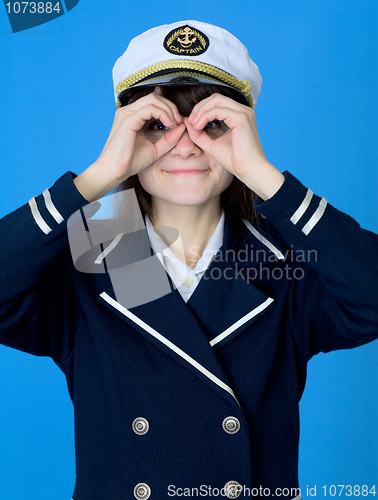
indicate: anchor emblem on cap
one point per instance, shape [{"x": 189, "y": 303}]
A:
[{"x": 187, "y": 41}]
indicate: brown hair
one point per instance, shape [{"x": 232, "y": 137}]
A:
[{"x": 237, "y": 200}]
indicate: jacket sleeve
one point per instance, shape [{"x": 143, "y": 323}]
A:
[
  {"x": 337, "y": 305},
  {"x": 38, "y": 308}
]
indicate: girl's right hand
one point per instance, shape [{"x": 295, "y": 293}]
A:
[{"x": 127, "y": 150}]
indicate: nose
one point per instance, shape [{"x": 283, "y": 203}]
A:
[{"x": 186, "y": 147}]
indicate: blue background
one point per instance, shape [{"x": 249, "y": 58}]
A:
[{"x": 317, "y": 117}]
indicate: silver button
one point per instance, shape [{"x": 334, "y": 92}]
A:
[
  {"x": 142, "y": 491},
  {"x": 231, "y": 425},
  {"x": 233, "y": 489},
  {"x": 140, "y": 426}
]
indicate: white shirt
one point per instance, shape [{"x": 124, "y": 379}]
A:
[{"x": 185, "y": 279}]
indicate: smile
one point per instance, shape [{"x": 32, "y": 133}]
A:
[{"x": 185, "y": 172}]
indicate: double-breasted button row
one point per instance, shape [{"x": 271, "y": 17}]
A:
[
  {"x": 232, "y": 489},
  {"x": 140, "y": 426},
  {"x": 231, "y": 425},
  {"x": 142, "y": 491}
]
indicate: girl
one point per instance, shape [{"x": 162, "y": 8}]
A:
[{"x": 185, "y": 356}]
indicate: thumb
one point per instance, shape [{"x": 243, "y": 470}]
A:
[
  {"x": 200, "y": 138},
  {"x": 169, "y": 140}
]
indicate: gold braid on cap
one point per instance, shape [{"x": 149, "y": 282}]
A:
[{"x": 210, "y": 71}]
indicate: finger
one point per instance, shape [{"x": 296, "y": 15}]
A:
[
  {"x": 136, "y": 110},
  {"x": 133, "y": 119},
  {"x": 214, "y": 105},
  {"x": 231, "y": 118},
  {"x": 215, "y": 100},
  {"x": 159, "y": 101},
  {"x": 137, "y": 120},
  {"x": 173, "y": 106},
  {"x": 196, "y": 109},
  {"x": 169, "y": 140},
  {"x": 134, "y": 123},
  {"x": 200, "y": 138}
]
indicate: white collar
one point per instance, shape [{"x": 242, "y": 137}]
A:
[{"x": 212, "y": 247}]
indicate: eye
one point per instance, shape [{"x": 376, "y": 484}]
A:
[
  {"x": 216, "y": 128},
  {"x": 212, "y": 125},
  {"x": 154, "y": 129},
  {"x": 157, "y": 125}
]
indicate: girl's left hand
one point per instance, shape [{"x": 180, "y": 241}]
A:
[{"x": 238, "y": 150}]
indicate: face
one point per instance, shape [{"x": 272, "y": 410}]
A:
[{"x": 186, "y": 175}]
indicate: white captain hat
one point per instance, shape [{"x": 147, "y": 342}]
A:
[{"x": 186, "y": 53}]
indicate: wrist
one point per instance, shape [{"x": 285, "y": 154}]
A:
[
  {"x": 264, "y": 179},
  {"x": 94, "y": 182}
]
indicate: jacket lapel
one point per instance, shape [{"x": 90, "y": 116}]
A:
[
  {"x": 168, "y": 323},
  {"x": 222, "y": 306},
  {"x": 226, "y": 302},
  {"x": 142, "y": 295}
]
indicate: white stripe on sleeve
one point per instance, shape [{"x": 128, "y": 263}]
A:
[
  {"x": 302, "y": 207},
  {"x": 315, "y": 218},
  {"x": 51, "y": 207},
  {"x": 38, "y": 217}
]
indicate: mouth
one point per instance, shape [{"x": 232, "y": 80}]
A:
[{"x": 186, "y": 171}]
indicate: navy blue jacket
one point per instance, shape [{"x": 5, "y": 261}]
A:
[{"x": 302, "y": 282}]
